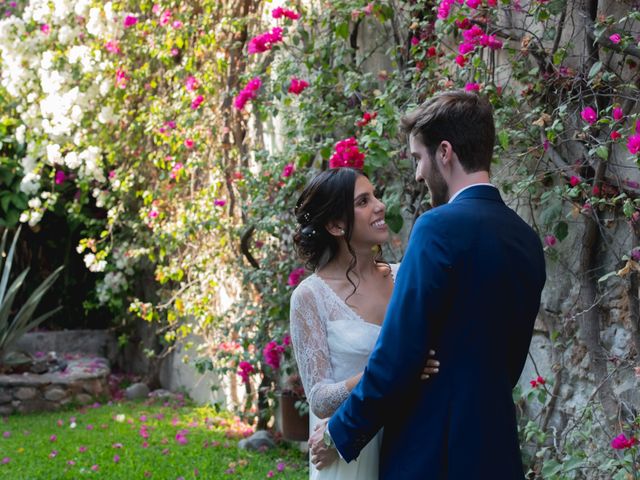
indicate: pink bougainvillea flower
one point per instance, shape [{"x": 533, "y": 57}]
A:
[
  {"x": 196, "y": 102},
  {"x": 95, "y": 468},
  {"x": 270, "y": 474},
  {"x": 45, "y": 28},
  {"x": 130, "y": 20},
  {"x": 595, "y": 191},
  {"x": 297, "y": 85},
  {"x": 175, "y": 170},
  {"x": 177, "y": 24},
  {"x": 165, "y": 17},
  {"x": 244, "y": 370},
  {"x": 288, "y": 170},
  {"x": 82, "y": 449},
  {"x": 116, "y": 458},
  {"x": 181, "y": 438},
  {"x": 589, "y": 115},
  {"x": 367, "y": 117},
  {"x": 283, "y": 12},
  {"x": 431, "y": 52},
  {"x": 272, "y": 353},
  {"x": 174, "y": 52},
  {"x": 550, "y": 240},
  {"x": 295, "y": 276},
  {"x": 574, "y": 180},
  {"x": 444, "y": 8},
  {"x": 347, "y": 154},
  {"x": 463, "y": 24},
  {"x": 633, "y": 144},
  {"x": 461, "y": 60},
  {"x": 368, "y": 10},
  {"x": 219, "y": 202},
  {"x": 191, "y": 83},
  {"x": 465, "y": 47},
  {"x": 53, "y": 438},
  {"x": 121, "y": 78},
  {"x": 615, "y": 135},
  {"x": 615, "y": 38},
  {"x": 249, "y": 92},
  {"x": 537, "y": 382},
  {"x": 5, "y": 460},
  {"x": 153, "y": 214},
  {"x": 491, "y": 41},
  {"x": 189, "y": 143},
  {"x": 474, "y": 4},
  {"x": 621, "y": 442},
  {"x": 635, "y": 256},
  {"x": 618, "y": 113},
  {"x": 415, "y": 41},
  {"x": 60, "y": 177},
  {"x": 265, "y": 41},
  {"x": 472, "y": 87},
  {"x": 112, "y": 47}
]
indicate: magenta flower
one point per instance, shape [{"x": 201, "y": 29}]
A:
[
  {"x": 280, "y": 466},
  {"x": 121, "y": 78},
  {"x": 95, "y": 468},
  {"x": 465, "y": 47},
  {"x": 181, "y": 438},
  {"x": 53, "y": 454},
  {"x": 60, "y": 177},
  {"x": 589, "y": 115},
  {"x": 297, "y": 85},
  {"x": 367, "y": 117},
  {"x": 6, "y": 434},
  {"x": 189, "y": 143},
  {"x": 177, "y": 25},
  {"x": 116, "y": 458},
  {"x": 415, "y": 41},
  {"x": 633, "y": 144},
  {"x": 130, "y": 20},
  {"x": 288, "y": 169},
  {"x": 283, "y": 12},
  {"x": 621, "y": 442},
  {"x": 615, "y": 135},
  {"x": 472, "y": 87},
  {"x": 618, "y": 113},
  {"x": 5, "y": 460},
  {"x": 219, "y": 202},
  {"x": 444, "y": 8},
  {"x": 197, "y": 102},
  {"x": 53, "y": 438},
  {"x": 112, "y": 46},
  {"x": 474, "y": 4},
  {"x": 249, "y": 92},
  {"x": 270, "y": 474},
  {"x": 347, "y": 154},
  {"x": 191, "y": 83},
  {"x": 165, "y": 17},
  {"x": 153, "y": 214},
  {"x": 272, "y": 353},
  {"x": 295, "y": 276},
  {"x": 461, "y": 60},
  {"x": 550, "y": 240},
  {"x": 45, "y": 28},
  {"x": 82, "y": 449},
  {"x": 574, "y": 180},
  {"x": 635, "y": 256},
  {"x": 615, "y": 38},
  {"x": 266, "y": 41}
]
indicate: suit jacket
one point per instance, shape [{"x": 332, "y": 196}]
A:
[{"x": 468, "y": 287}]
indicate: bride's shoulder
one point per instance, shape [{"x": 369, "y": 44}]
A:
[{"x": 305, "y": 288}]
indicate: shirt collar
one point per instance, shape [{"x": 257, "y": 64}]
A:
[{"x": 453, "y": 197}]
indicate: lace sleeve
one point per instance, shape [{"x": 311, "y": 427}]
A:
[{"x": 309, "y": 338}]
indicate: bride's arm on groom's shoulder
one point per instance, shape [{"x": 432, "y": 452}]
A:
[{"x": 309, "y": 339}]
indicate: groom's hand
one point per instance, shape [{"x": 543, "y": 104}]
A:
[{"x": 321, "y": 455}]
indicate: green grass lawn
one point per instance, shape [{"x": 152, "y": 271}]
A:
[{"x": 136, "y": 441}]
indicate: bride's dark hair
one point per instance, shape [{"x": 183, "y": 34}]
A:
[{"x": 327, "y": 197}]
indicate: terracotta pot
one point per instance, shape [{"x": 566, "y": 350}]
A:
[{"x": 294, "y": 426}]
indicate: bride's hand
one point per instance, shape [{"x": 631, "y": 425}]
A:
[
  {"x": 321, "y": 455},
  {"x": 431, "y": 367}
]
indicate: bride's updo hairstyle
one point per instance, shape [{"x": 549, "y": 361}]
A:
[{"x": 328, "y": 197}]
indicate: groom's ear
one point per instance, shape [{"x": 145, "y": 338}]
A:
[{"x": 446, "y": 153}]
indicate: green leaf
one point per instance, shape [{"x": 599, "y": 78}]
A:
[
  {"x": 603, "y": 152},
  {"x": 503, "y": 138},
  {"x": 595, "y": 69},
  {"x": 561, "y": 230},
  {"x": 342, "y": 30}
]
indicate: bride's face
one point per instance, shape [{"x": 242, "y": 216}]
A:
[{"x": 369, "y": 226}]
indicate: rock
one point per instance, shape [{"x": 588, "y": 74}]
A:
[
  {"x": 25, "y": 393},
  {"x": 161, "y": 393},
  {"x": 136, "y": 391},
  {"x": 5, "y": 396},
  {"x": 84, "y": 399},
  {"x": 37, "y": 405},
  {"x": 261, "y": 440},
  {"x": 54, "y": 394},
  {"x": 6, "y": 409}
]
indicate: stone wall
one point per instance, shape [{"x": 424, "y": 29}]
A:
[{"x": 83, "y": 381}]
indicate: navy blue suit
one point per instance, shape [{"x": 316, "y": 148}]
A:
[{"x": 468, "y": 287}]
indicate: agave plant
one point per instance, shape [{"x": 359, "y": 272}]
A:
[{"x": 11, "y": 329}]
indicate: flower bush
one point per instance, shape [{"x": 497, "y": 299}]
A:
[{"x": 179, "y": 136}]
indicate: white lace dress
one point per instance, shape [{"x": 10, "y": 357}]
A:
[{"x": 332, "y": 343}]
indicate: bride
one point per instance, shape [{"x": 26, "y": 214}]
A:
[{"x": 336, "y": 312}]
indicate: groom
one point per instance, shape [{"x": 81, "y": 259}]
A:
[{"x": 469, "y": 287}]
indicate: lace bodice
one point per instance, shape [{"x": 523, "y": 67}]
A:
[{"x": 331, "y": 343}]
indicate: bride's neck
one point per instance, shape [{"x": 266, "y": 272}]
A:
[{"x": 365, "y": 264}]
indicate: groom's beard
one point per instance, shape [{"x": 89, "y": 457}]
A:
[{"x": 438, "y": 187}]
